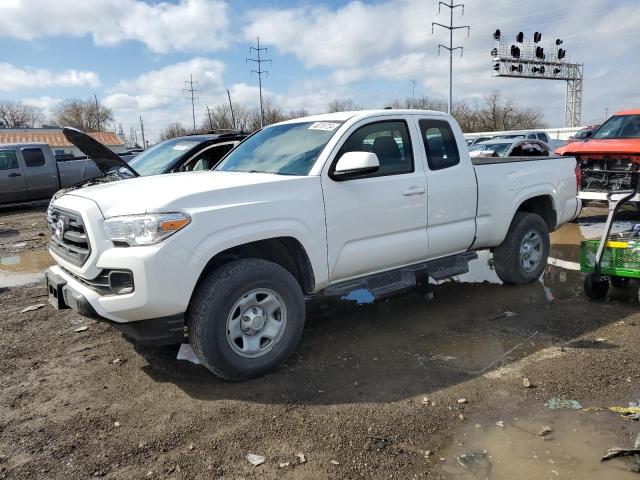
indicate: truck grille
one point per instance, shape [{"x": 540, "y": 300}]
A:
[{"x": 68, "y": 235}]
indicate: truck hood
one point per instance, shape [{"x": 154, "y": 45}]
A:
[
  {"x": 613, "y": 146},
  {"x": 104, "y": 158},
  {"x": 180, "y": 191}
]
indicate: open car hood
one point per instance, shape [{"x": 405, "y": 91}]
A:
[{"x": 104, "y": 158}]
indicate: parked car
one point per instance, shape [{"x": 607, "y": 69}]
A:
[
  {"x": 473, "y": 141},
  {"x": 534, "y": 135},
  {"x": 610, "y": 158},
  {"x": 311, "y": 207},
  {"x": 510, "y": 148},
  {"x": 31, "y": 171},
  {"x": 583, "y": 134}
]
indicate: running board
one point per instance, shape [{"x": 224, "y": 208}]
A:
[{"x": 385, "y": 283}]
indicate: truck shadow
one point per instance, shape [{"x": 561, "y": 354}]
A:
[{"x": 412, "y": 345}]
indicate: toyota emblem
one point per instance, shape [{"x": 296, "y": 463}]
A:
[{"x": 60, "y": 228}]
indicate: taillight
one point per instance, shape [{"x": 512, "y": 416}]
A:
[{"x": 578, "y": 173}]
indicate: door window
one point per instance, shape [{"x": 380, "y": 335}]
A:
[
  {"x": 8, "y": 160},
  {"x": 439, "y": 144},
  {"x": 209, "y": 158},
  {"x": 33, "y": 157},
  {"x": 389, "y": 141},
  {"x": 533, "y": 149}
]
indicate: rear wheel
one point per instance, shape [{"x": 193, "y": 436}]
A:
[
  {"x": 246, "y": 318},
  {"x": 522, "y": 256},
  {"x": 596, "y": 287}
]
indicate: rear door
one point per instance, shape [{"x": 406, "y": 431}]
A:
[
  {"x": 378, "y": 221},
  {"x": 12, "y": 183},
  {"x": 452, "y": 189},
  {"x": 41, "y": 174}
]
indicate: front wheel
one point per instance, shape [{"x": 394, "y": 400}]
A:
[
  {"x": 246, "y": 318},
  {"x": 522, "y": 256},
  {"x": 596, "y": 287}
]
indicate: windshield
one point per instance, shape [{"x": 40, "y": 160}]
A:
[
  {"x": 498, "y": 148},
  {"x": 619, "y": 126},
  {"x": 158, "y": 158},
  {"x": 287, "y": 149}
]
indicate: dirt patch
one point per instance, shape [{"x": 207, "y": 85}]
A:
[{"x": 369, "y": 390}]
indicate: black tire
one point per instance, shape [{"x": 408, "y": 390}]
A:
[
  {"x": 212, "y": 304},
  {"x": 596, "y": 287},
  {"x": 507, "y": 257}
]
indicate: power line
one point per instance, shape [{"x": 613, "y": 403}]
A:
[
  {"x": 258, "y": 62},
  {"x": 451, "y": 6},
  {"x": 193, "y": 99}
]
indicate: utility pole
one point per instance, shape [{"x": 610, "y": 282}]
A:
[
  {"x": 451, "y": 6},
  {"x": 209, "y": 116},
  {"x": 97, "y": 112},
  {"x": 144, "y": 144},
  {"x": 258, "y": 62},
  {"x": 606, "y": 113},
  {"x": 193, "y": 99},
  {"x": 233, "y": 118},
  {"x": 413, "y": 92}
]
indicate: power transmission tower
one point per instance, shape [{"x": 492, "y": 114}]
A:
[
  {"x": 193, "y": 99},
  {"x": 451, "y": 6},
  {"x": 413, "y": 92},
  {"x": 144, "y": 144},
  {"x": 258, "y": 62}
]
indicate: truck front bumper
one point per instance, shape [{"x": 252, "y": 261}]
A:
[{"x": 64, "y": 291}]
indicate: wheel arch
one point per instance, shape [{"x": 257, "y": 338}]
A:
[
  {"x": 285, "y": 251},
  {"x": 543, "y": 206}
]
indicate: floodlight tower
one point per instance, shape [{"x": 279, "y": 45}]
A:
[{"x": 526, "y": 58}]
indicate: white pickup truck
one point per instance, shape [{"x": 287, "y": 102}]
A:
[{"x": 322, "y": 205}]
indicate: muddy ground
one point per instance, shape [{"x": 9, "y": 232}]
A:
[{"x": 371, "y": 392}]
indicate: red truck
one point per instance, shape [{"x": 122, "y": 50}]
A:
[{"x": 610, "y": 157}]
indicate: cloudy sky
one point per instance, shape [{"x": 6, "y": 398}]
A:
[{"x": 136, "y": 54}]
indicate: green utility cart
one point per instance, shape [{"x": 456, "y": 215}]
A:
[{"x": 614, "y": 258}]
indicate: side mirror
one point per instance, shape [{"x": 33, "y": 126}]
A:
[{"x": 355, "y": 164}]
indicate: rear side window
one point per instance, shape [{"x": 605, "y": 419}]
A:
[
  {"x": 543, "y": 137},
  {"x": 8, "y": 160},
  {"x": 439, "y": 144},
  {"x": 33, "y": 157}
]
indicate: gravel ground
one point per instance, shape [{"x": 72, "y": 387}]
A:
[{"x": 368, "y": 392}]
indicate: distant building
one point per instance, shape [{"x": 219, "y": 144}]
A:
[{"x": 57, "y": 141}]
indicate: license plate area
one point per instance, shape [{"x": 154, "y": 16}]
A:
[{"x": 54, "y": 290}]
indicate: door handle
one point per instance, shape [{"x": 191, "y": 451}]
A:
[
  {"x": 414, "y": 191},
  {"x": 14, "y": 174}
]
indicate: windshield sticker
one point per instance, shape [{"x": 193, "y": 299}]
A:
[
  {"x": 181, "y": 147},
  {"x": 326, "y": 126}
]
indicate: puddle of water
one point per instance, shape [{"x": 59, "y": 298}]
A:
[
  {"x": 477, "y": 354},
  {"x": 23, "y": 268},
  {"x": 572, "y": 450}
]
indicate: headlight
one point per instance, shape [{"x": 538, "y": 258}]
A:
[{"x": 144, "y": 229}]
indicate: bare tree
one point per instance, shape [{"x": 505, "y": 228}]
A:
[
  {"x": 344, "y": 105},
  {"x": 502, "y": 114},
  {"x": 173, "y": 130},
  {"x": 17, "y": 115},
  {"x": 83, "y": 115}
]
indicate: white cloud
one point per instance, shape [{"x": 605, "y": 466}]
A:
[
  {"x": 163, "y": 27},
  {"x": 15, "y": 78},
  {"x": 159, "y": 97}
]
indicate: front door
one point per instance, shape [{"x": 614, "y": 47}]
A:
[
  {"x": 12, "y": 184},
  {"x": 378, "y": 221}
]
